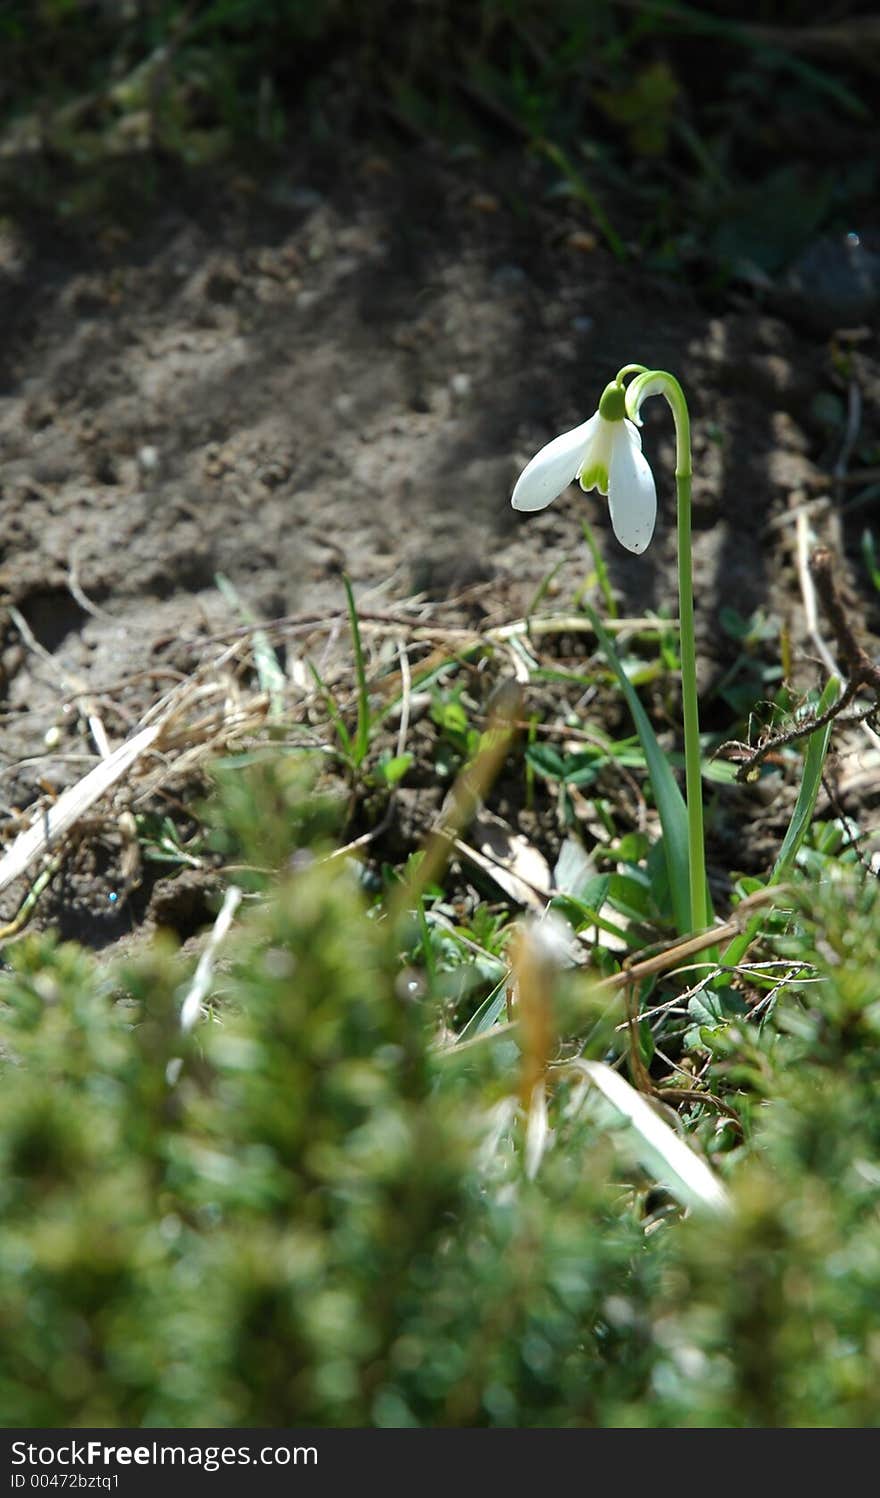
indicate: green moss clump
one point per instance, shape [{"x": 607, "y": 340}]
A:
[{"x": 292, "y": 1218}]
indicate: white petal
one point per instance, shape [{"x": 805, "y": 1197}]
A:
[
  {"x": 553, "y": 468},
  {"x": 632, "y": 494},
  {"x": 597, "y": 455}
]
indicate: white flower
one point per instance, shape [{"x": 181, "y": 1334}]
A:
[{"x": 605, "y": 453}]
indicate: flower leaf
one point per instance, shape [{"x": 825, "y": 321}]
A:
[{"x": 670, "y": 802}]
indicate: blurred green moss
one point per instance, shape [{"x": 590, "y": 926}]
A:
[{"x": 292, "y": 1216}]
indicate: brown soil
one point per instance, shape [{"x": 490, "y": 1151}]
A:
[{"x": 284, "y": 380}]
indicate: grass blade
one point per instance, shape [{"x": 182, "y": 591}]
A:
[
  {"x": 269, "y": 672},
  {"x": 489, "y": 1013},
  {"x": 670, "y": 801},
  {"x": 814, "y": 759},
  {"x": 361, "y": 741},
  {"x": 580, "y": 189},
  {"x": 660, "y": 1150},
  {"x": 601, "y": 572},
  {"x": 331, "y": 705}
]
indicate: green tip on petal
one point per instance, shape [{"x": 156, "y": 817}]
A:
[
  {"x": 594, "y": 477},
  {"x": 612, "y": 406}
]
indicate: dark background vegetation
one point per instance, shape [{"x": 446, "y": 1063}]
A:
[{"x": 722, "y": 137}]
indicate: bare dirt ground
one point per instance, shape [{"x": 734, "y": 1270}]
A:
[{"x": 281, "y": 381}]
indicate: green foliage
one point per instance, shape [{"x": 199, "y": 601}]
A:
[
  {"x": 771, "y": 1321},
  {"x": 303, "y": 1214},
  {"x": 266, "y": 806},
  {"x": 646, "y": 109},
  {"x": 232, "y": 1247},
  {"x": 670, "y": 803},
  {"x": 811, "y": 780},
  {"x": 685, "y": 119}
]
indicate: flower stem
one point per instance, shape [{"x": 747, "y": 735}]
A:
[
  {"x": 693, "y": 783},
  {"x": 658, "y": 382},
  {"x": 629, "y": 369}
]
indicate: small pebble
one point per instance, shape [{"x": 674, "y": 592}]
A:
[
  {"x": 509, "y": 277},
  {"x": 148, "y": 459},
  {"x": 305, "y": 198},
  {"x": 582, "y": 240},
  {"x": 835, "y": 283}
]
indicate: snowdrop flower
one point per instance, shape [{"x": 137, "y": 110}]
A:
[{"x": 605, "y": 453}]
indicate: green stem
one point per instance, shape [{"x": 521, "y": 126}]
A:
[
  {"x": 693, "y": 780},
  {"x": 629, "y": 369},
  {"x": 658, "y": 382}
]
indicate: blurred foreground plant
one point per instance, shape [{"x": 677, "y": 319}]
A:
[{"x": 324, "y": 1221}]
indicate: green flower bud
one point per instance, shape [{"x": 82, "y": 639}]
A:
[{"x": 612, "y": 406}]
